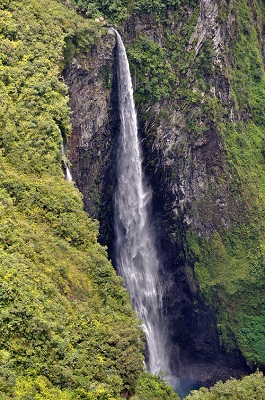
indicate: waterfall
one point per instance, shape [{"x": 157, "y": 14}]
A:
[
  {"x": 68, "y": 175},
  {"x": 136, "y": 256}
]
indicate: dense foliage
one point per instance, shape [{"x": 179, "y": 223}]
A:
[
  {"x": 250, "y": 387},
  {"x": 67, "y": 330},
  {"x": 151, "y": 388},
  {"x": 116, "y": 11},
  {"x": 150, "y": 67}
]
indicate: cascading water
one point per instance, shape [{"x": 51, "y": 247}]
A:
[
  {"x": 68, "y": 175},
  {"x": 136, "y": 257}
]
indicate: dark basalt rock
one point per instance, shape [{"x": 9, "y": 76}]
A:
[{"x": 93, "y": 100}]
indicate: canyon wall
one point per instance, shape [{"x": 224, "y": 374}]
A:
[{"x": 199, "y": 88}]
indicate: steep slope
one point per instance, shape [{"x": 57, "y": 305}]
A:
[
  {"x": 67, "y": 330},
  {"x": 198, "y": 71}
]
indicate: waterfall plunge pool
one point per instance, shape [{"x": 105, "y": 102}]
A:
[{"x": 183, "y": 385}]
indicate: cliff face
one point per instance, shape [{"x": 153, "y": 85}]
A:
[
  {"x": 199, "y": 89},
  {"x": 184, "y": 143},
  {"x": 203, "y": 143},
  {"x": 94, "y": 121}
]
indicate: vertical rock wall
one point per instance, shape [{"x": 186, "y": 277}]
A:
[
  {"x": 188, "y": 171},
  {"x": 93, "y": 101}
]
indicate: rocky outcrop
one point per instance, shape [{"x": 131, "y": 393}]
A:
[
  {"x": 191, "y": 166},
  {"x": 207, "y": 26}
]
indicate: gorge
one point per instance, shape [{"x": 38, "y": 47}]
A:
[
  {"x": 195, "y": 354},
  {"x": 67, "y": 328}
]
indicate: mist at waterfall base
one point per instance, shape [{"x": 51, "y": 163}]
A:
[{"x": 136, "y": 257}]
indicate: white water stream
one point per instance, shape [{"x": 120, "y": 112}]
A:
[
  {"x": 68, "y": 175},
  {"x": 136, "y": 257}
]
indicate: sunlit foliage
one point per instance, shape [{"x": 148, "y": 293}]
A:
[
  {"x": 250, "y": 387},
  {"x": 67, "y": 330}
]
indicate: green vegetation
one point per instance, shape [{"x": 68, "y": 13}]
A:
[
  {"x": 117, "y": 11},
  {"x": 250, "y": 387},
  {"x": 67, "y": 330},
  {"x": 149, "y": 64},
  {"x": 161, "y": 71},
  {"x": 230, "y": 265},
  {"x": 151, "y": 388}
]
